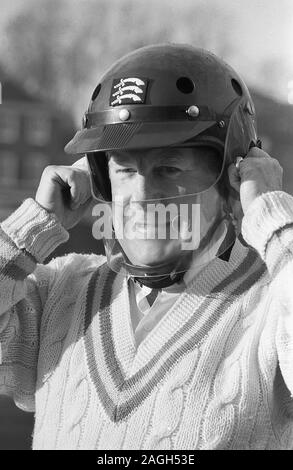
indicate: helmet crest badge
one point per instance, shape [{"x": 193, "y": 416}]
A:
[{"x": 129, "y": 90}]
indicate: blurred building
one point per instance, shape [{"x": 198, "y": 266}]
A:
[
  {"x": 275, "y": 128},
  {"x": 32, "y": 136}
]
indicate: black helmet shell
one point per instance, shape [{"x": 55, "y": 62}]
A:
[{"x": 158, "y": 96}]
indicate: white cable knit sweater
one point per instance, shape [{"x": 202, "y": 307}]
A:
[{"x": 216, "y": 372}]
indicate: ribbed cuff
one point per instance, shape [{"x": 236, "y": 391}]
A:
[
  {"x": 34, "y": 229},
  {"x": 267, "y": 214}
]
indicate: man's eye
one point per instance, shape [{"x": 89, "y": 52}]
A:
[
  {"x": 171, "y": 170},
  {"x": 125, "y": 170}
]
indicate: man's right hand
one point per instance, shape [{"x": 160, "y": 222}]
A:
[{"x": 66, "y": 192}]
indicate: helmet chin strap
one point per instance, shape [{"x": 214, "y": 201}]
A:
[
  {"x": 160, "y": 276},
  {"x": 161, "y": 282},
  {"x": 167, "y": 274}
]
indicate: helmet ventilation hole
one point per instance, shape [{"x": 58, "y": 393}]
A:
[
  {"x": 185, "y": 85},
  {"x": 236, "y": 86},
  {"x": 96, "y": 92}
]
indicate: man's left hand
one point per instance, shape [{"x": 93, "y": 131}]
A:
[{"x": 257, "y": 173}]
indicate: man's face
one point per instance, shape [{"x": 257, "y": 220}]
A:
[{"x": 140, "y": 180}]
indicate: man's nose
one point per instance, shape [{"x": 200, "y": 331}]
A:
[{"x": 143, "y": 188}]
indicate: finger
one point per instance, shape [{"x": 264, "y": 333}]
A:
[
  {"x": 237, "y": 162},
  {"x": 81, "y": 189},
  {"x": 256, "y": 152},
  {"x": 74, "y": 189},
  {"x": 83, "y": 208},
  {"x": 85, "y": 186},
  {"x": 76, "y": 184},
  {"x": 64, "y": 177},
  {"x": 82, "y": 163}
]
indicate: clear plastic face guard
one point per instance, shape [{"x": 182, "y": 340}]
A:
[{"x": 166, "y": 235}]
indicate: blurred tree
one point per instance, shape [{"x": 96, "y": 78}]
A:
[
  {"x": 59, "y": 48},
  {"x": 277, "y": 71},
  {"x": 47, "y": 53}
]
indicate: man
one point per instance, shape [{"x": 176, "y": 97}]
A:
[{"x": 183, "y": 339}]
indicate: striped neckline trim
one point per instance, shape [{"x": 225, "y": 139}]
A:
[{"x": 121, "y": 396}]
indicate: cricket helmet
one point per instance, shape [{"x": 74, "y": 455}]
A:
[
  {"x": 160, "y": 96},
  {"x": 166, "y": 95}
]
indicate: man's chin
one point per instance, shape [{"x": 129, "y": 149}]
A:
[{"x": 150, "y": 252}]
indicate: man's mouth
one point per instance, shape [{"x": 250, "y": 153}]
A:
[{"x": 151, "y": 231}]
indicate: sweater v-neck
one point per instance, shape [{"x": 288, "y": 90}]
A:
[
  {"x": 123, "y": 374},
  {"x": 186, "y": 305}
]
